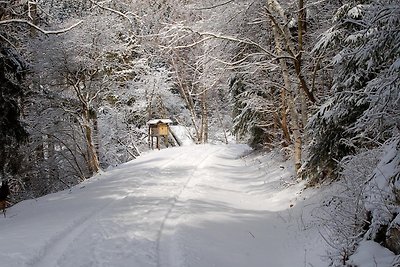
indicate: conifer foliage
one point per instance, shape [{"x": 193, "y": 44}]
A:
[
  {"x": 364, "y": 109},
  {"x": 12, "y": 132},
  {"x": 13, "y": 69},
  {"x": 355, "y": 133}
]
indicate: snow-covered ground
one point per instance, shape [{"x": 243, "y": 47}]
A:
[{"x": 202, "y": 205}]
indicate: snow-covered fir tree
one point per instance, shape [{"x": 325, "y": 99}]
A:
[{"x": 359, "y": 123}]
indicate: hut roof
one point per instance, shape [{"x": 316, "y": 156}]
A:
[{"x": 157, "y": 121}]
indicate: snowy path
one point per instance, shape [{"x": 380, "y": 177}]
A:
[{"x": 187, "y": 206}]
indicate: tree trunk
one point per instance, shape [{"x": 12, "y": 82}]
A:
[
  {"x": 93, "y": 161},
  {"x": 33, "y": 15},
  {"x": 96, "y": 134},
  {"x": 294, "y": 117},
  {"x": 272, "y": 5},
  {"x": 204, "y": 119},
  {"x": 301, "y": 22},
  {"x": 284, "y": 122},
  {"x": 185, "y": 94},
  {"x": 149, "y": 108},
  {"x": 222, "y": 124},
  {"x": 284, "y": 33}
]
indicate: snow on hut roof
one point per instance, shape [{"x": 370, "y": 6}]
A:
[{"x": 156, "y": 121}]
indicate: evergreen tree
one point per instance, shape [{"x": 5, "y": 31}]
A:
[
  {"x": 364, "y": 109},
  {"x": 12, "y": 132}
]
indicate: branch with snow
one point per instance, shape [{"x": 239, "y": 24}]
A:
[
  {"x": 24, "y": 21},
  {"x": 112, "y": 10},
  {"x": 215, "y": 6}
]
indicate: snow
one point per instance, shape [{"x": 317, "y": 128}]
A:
[
  {"x": 356, "y": 11},
  {"x": 371, "y": 254},
  {"x": 395, "y": 66},
  {"x": 204, "y": 205},
  {"x": 379, "y": 191},
  {"x": 156, "y": 121},
  {"x": 182, "y": 133}
]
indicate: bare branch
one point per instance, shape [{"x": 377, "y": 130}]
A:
[
  {"x": 189, "y": 45},
  {"x": 217, "y": 5},
  {"x": 233, "y": 39},
  {"x": 8, "y": 41},
  {"x": 240, "y": 63},
  {"x": 113, "y": 10},
  {"x": 38, "y": 28},
  {"x": 295, "y": 56}
]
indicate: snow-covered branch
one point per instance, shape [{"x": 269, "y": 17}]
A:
[
  {"x": 211, "y": 35},
  {"x": 24, "y": 21},
  {"x": 215, "y": 6},
  {"x": 112, "y": 10}
]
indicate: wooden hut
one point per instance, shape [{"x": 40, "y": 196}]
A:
[{"x": 158, "y": 128}]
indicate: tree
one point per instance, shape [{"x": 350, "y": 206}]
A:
[
  {"x": 208, "y": 43},
  {"x": 360, "y": 117},
  {"x": 19, "y": 22},
  {"x": 363, "y": 109},
  {"x": 85, "y": 65},
  {"x": 12, "y": 68},
  {"x": 13, "y": 72}
]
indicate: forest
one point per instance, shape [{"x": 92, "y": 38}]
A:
[{"x": 317, "y": 81}]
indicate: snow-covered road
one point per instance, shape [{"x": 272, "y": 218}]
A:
[{"x": 187, "y": 206}]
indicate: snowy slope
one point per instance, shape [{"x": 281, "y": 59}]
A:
[{"x": 186, "y": 206}]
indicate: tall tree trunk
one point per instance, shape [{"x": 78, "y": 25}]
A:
[
  {"x": 96, "y": 134},
  {"x": 275, "y": 10},
  {"x": 294, "y": 116},
  {"x": 284, "y": 119},
  {"x": 51, "y": 151},
  {"x": 301, "y": 22},
  {"x": 185, "y": 94},
  {"x": 93, "y": 161},
  {"x": 149, "y": 108},
  {"x": 221, "y": 123},
  {"x": 204, "y": 119},
  {"x": 33, "y": 15},
  {"x": 274, "y": 6}
]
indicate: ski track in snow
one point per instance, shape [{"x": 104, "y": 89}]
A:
[
  {"x": 55, "y": 248},
  {"x": 176, "y": 198},
  {"x": 189, "y": 206},
  {"x": 57, "y": 245}
]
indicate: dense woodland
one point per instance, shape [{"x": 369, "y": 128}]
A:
[{"x": 317, "y": 80}]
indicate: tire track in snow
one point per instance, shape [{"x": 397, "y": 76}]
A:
[
  {"x": 55, "y": 248},
  {"x": 176, "y": 199}
]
